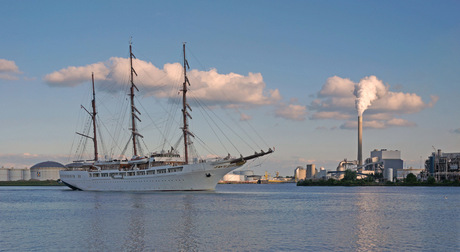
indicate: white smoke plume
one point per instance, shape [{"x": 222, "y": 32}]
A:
[{"x": 368, "y": 90}]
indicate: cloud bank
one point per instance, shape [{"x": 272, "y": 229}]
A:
[
  {"x": 227, "y": 90},
  {"x": 23, "y": 160},
  {"x": 291, "y": 111},
  {"x": 8, "y": 70},
  {"x": 342, "y": 99}
]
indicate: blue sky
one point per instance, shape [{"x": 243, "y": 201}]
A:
[{"x": 288, "y": 66}]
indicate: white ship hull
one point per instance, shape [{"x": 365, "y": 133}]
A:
[{"x": 192, "y": 177}]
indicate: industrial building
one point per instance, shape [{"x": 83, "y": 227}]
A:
[
  {"x": 48, "y": 170},
  {"x": 310, "y": 172},
  {"x": 300, "y": 173},
  {"x": 386, "y": 162},
  {"x": 443, "y": 166},
  {"x": 383, "y": 161}
]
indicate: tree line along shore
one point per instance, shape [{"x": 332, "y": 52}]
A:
[
  {"x": 350, "y": 179},
  {"x": 31, "y": 183}
]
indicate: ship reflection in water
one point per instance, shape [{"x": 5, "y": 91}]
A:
[{"x": 245, "y": 217}]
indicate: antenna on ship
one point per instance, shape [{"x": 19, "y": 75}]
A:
[
  {"x": 93, "y": 118},
  {"x": 134, "y": 110},
  {"x": 185, "y": 113}
]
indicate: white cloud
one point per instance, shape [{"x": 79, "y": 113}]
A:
[
  {"x": 228, "y": 90},
  {"x": 378, "y": 124},
  {"x": 331, "y": 114},
  {"x": 8, "y": 70},
  {"x": 336, "y": 100},
  {"x": 337, "y": 87},
  {"x": 291, "y": 111},
  {"x": 23, "y": 160},
  {"x": 73, "y": 76},
  {"x": 400, "y": 122},
  {"x": 244, "y": 117}
]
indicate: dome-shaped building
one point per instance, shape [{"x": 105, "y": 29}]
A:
[{"x": 48, "y": 170}]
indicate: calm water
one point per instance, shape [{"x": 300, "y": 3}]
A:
[{"x": 233, "y": 218}]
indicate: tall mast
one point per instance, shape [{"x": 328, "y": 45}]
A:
[
  {"x": 134, "y": 110},
  {"x": 184, "y": 107},
  {"x": 93, "y": 117},
  {"x": 93, "y": 104}
]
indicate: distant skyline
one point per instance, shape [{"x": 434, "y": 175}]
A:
[{"x": 289, "y": 69}]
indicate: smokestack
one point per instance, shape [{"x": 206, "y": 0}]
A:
[{"x": 360, "y": 140}]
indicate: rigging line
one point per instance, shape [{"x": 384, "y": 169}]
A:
[
  {"x": 121, "y": 118},
  {"x": 230, "y": 130},
  {"x": 263, "y": 160},
  {"x": 101, "y": 139},
  {"x": 255, "y": 131},
  {"x": 126, "y": 146},
  {"x": 172, "y": 114},
  {"x": 194, "y": 57},
  {"x": 233, "y": 131},
  {"x": 205, "y": 146},
  {"x": 153, "y": 122},
  {"x": 210, "y": 126},
  {"x": 242, "y": 129},
  {"x": 84, "y": 140},
  {"x": 111, "y": 136},
  {"x": 71, "y": 154},
  {"x": 203, "y": 106}
]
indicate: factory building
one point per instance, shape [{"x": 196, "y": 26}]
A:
[
  {"x": 443, "y": 166},
  {"x": 322, "y": 173},
  {"x": 311, "y": 171},
  {"x": 300, "y": 173},
  {"x": 48, "y": 170},
  {"x": 383, "y": 161}
]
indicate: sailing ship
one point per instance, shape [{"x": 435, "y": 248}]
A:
[{"x": 159, "y": 171}]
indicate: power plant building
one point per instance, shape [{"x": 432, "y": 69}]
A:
[
  {"x": 443, "y": 166},
  {"x": 389, "y": 159}
]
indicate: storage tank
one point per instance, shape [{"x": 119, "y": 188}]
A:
[
  {"x": 388, "y": 174},
  {"x": 4, "y": 174},
  {"x": 311, "y": 170},
  {"x": 26, "y": 174},
  {"x": 46, "y": 170},
  {"x": 15, "y": 174},
  {"x": 244, "y": 172},
  {"x": 341, "y": 172},
  {"x": 300, "y": 173}
]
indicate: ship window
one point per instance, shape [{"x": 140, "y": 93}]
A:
[
  {"x": 161, "y": 171},
  {"x": 104, "y": 174},
  {"x": 150, "y": 172},
  {"x": 175, "y": 169}
]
